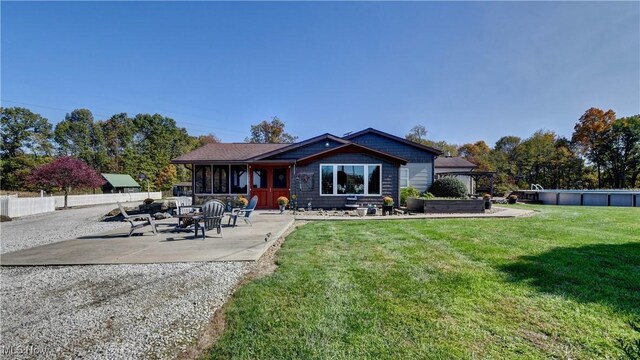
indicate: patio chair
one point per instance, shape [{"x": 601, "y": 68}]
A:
[
  {"x": 135, "y": 223},
  {"x": 212, "y": 213},
  {"x": 183, "y": 206},
  {"x": 245, "y": 213}
]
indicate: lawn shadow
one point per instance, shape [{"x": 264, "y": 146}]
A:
[{"x": 608, "y": 274}]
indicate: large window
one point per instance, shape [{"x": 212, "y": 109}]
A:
[
  {"x": 347, "y": 179},
  {"x": 326, "y": 179},
  {"x": 221, "y": 179},
  {"x": 202, "y": 176},
  {"x": 238, "y": 179}
]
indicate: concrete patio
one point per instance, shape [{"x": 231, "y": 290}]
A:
[{"x": 240, "y": 243}]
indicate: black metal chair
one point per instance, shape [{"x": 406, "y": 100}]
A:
[{"x": 212, "y": 213}]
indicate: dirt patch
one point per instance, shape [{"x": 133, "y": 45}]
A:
[{"x": 265, "y": 266}]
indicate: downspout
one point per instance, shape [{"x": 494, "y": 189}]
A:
[{"x": 433, "y": 170}]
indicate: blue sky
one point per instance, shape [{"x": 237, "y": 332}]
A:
[{"x": 466, "y": 71}]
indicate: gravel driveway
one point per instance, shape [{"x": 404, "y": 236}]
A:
[
  {"x": 103, "y": 311},
  {"x": 41, "y": 229}
]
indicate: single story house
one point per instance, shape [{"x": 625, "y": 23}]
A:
[
  {"x": 458, "y": 167},
  {"x": 323, "y": 172},
  {"x": 119, "y": 183}
]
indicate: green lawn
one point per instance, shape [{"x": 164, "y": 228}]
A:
[{"x": 561, "y": 284}]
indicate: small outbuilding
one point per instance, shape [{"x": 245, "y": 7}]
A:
[
  {"x": 458, "y": 167},
  {"x": 465, "y": 171},
  {"x": 119, "y": 183},
  {"x": 182, "y": 189}
]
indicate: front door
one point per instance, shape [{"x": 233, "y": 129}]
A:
[{"x": 269, "y": 183}]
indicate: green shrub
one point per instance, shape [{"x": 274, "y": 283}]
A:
[
  {"x": 406, "y": 193},
  {"x": 427, "y": 196},
  {"x": 448, "y": 186}
]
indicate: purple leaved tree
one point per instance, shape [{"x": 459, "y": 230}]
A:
[{"x": 65, "y": 173}]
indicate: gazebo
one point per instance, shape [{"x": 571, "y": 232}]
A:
[{"x": 476, "y": 176}]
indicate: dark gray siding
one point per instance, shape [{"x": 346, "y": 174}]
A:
[
  {"x": 390, "y": 187},
  {"x": 389, "y": 146},
  {"x": 413, "y": 155},
  {"x": 307, "y": 150}
]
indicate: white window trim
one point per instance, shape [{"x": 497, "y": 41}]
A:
[
  {"x": 228, "y": 185},
  {"x": 335, "y": 180},
  {"x": 400, "y": 180}
]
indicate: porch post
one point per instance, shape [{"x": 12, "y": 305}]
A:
[{"x": 193, "y": 184}]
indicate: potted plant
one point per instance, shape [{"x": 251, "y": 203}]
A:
[
  {"x": 387, "y": 205},
  {"x": 282, "y": 203},
  {"x": 512, "y": 199},
  {"x": 487, "y": 201},
  {"x": 242, "y": 201}
]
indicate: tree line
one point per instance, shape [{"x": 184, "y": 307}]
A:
[
  {"x": 123, "y": 144},
  {"x": 603, "y": 152}
]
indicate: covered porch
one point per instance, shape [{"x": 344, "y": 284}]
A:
[{"x": 227, "y": 181}]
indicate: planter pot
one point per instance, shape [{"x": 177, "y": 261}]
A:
[
  {"x": 512, "y": 201},
  {"x": 487, "y": 204},
  {"x": 454, "y": 206},
  {"x": 362, "y": 211},
  {"x": 387, "y": 209},
  {"x": 415, "y": 205},
  {"x": 281, "y": 208}
]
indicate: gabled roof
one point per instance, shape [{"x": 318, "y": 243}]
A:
[
  {"x": 393, "y": 137},
  {"x": 120, "y": 180},
  {"x": 228, "y": 152},
  {"x": 453, "y": 162},
  {"x": 352, "y": 148},
  {"x": 297, "y": 145}
]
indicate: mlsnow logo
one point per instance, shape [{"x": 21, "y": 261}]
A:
[{"x": 24, "y": 350}]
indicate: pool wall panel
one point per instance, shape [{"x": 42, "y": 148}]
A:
[
  {"x": 621, "y": 200},
  {"x": 548, "y": 198},
  {"x": 595, "y": 199},
  {"x": 568, "y": 199}
]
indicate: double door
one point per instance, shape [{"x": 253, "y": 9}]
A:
[{"x": 269, "y": 183}]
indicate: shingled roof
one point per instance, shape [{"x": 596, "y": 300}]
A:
[
  {"x": 453, "y": 162},
  {"x": 120, "y": 180},
  {"x": 226, "y": 152}
]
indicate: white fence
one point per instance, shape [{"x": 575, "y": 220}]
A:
[
  {"x": 94, "y": 199},
  {"x": 15, "y": 207}
]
